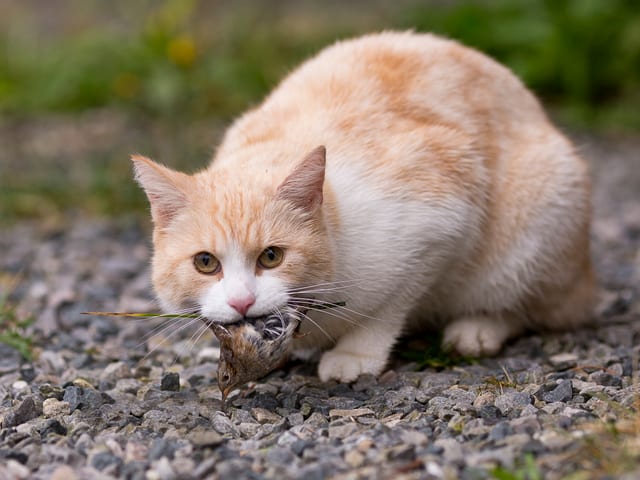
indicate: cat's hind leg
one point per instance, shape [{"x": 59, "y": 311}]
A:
[{"x": 481, "y": 334}]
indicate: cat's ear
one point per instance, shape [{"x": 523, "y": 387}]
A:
[
  {"x": 165, "y": 189},
  {"x": 303, "y": 187}
]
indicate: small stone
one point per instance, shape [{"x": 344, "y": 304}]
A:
[
  {"x": 526, "y": 424},
  {"x": 161, "y": 447},
  {"x": 555, "y": 441},
  {"x": 295, "y": 418},
  {"x": 208, "y": 354},
  {"x": 485, "y": 398},
  {"x": 170, "y": 382},
  {"x": 82, "y": 383},
  {"x": 354, "y": 458},
  {"x": 52, "y": 362},
  {"x": 452, "y": 450},
  {"x": 106, "y": 460},
  {"x": 135, "y": 452},
  {"x": 267, "y": 401},
  {"x": 490, "y": 414},
  {"x": 299, "y": 446},
  {"x": 263, "y": 416},
  {"x": 53, "y": 407},
  {"x": 502, "y": 456},
  {"x": 352, "y": 413},
  {"x": 316, "y": 419},
  {"x": 563, "y": 361},
  {"x": 128, "y": 385},
  {"x": 205, "y": 438},
  {"x": 249, "y": 429},
  {"x": 280, "y": 456},
  {"x": 616, "y": 369},
  {"x": 605, "y": 379},
  {"x": 83, "y": 398},
  {"x": 63, "y": 472},
  {"x": 306, "y": 409},
  {"x": 20, "y": 385},
  {"x": 221, "y": 423},
  {"x": 342, "y": 431},
  {"x": 115, "y": 371},
  {"x": 434, "y": 470},
  {"x": 16, "y": 470},
  {"x": 576, "y": 412},
  {"x": 50, "y": 391},
  {"x": 365, "y": 445},
  {"x": 287, "y": 438},
  {"x": 27, "y": 410},
  {"x": 561, "y": 393},
  {"x": 512, "y": 402},
  {"x": 163, "y": 469},
  {"x": 52, "y": 426},
  {"x": 204, "y": 468},
  {"x": 500, "y": 431},
  {"x": 528, "y": 410},
  {"x": 414, "y": 437},
  {"x": 388, "y": 377}
]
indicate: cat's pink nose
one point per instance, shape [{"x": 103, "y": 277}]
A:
[{"x": 241, "y": 304}]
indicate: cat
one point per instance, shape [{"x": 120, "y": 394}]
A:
[{"x": 410, "y": 177}]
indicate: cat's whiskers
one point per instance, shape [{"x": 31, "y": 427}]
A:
[
  {"x": 193, "y": 340},
  {"x": 345, "y": 318},
  {"x": 324, "y": 287},
  {"x": 283, "y": 324},
  {"x": 331, "y": 307},
  {"x": 165, "y": 339},
  {"x": 165, "y": 324},
  {"x": 345, "y": 283},
  {"x": 317, "y": 325}
]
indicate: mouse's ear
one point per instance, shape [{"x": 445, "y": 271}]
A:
[{"x": 222, "y": 334}]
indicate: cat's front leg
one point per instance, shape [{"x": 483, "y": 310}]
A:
[{"x": 364, "y": 349}]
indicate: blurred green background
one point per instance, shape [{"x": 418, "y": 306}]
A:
[{"x": 83, "y": 83}]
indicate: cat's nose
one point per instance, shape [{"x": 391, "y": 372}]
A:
[{"x": 241, "y": 304}]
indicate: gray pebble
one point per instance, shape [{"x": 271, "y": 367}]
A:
[
  {"x": 129, "y": 422},
  {"x": 512, "y": 402},
  {"x": 170, "y": 382},
  {"x": 605, "y": 379},
  {"x": 561, "y": 393},
  {"x": 28, "y": 409},
  {"x": 106, "y": 461},
  {"x": 500, "y": 431}
]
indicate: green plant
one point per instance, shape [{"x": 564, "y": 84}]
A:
[
  {"x": 526, "y": 470},
  {"x": 12, "y": 328},
  {"x": 186, "y": 57},
  {"x": 432, "y": 354}
]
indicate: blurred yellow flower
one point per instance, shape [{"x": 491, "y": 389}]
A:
[{"x": 182, "y": 50}]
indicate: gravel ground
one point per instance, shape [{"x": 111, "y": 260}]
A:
[{"x": 118, "y": 398}]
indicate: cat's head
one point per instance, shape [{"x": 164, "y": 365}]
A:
[{"x": 231, "y": 242}]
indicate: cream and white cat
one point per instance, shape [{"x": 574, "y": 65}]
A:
[{"x": 413, "y": 178}]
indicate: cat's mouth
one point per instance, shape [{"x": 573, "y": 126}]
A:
[{"x": 271, "y": 326}]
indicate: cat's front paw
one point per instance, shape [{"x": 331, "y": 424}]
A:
[{"x": 348, "y": 366}]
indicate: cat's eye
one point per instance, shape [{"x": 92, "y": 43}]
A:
[
  {"x": 271, "y": 257},
  {"x": 206, "y": 263}
]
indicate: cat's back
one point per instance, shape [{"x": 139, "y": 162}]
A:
[{"x": 391, "y": 85}]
